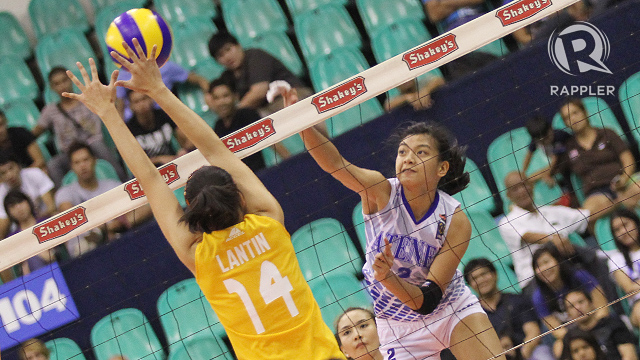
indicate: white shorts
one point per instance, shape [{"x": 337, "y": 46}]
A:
[{"x": 424, "y": 339}]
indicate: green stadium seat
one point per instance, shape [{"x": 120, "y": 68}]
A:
[
  {"x": 629, "y": 96},
  {"x": 333, "y": 68},
  {"x": 247, "y": 19},
  {"x": 600, "y": 116},
  {"x": 104, "y": 170},
  {"x": 51, "y": 16},
  {"x": 506, "y": 154},
  {"x": 22, "y": 113},
  {"x": 191, "y": 48},
  {"x": 125, "y": 332},
  {"x": 487, "y": 242},
  {"x": 317, "y": 39},
  {"x": 397, "y": 38},
  {"x": 337, "y": 292},
  {"x": 98, "y": 5},
  {"x": 17, "y": 80},
  {"x": 377, "y": 14},
  {"x": 193, "y": 97},
  {"x": 297, "y": 7},
  {"x": 477, "y": 196},
  {"x": 358, "y": 223},
  {"x": 64, "y": 349},
  {"x": 323, "y": 246},
  {"x": 180, "y": 11},
  {"x": 64, "y": 48},
  {"x": 279, "y": 45},
  {"x": 604, "y": 235},
  {"x": 201, "y": 349},
  {"x": 185, "y": 314},
  {"x": 15, "y": 41},
  {"x": 497, "y": 48}
]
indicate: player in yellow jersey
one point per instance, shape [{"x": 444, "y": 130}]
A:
[{"x": 231, "y": 236}]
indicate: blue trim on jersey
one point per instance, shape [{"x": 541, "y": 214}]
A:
[{"x": 432, "y": 208}]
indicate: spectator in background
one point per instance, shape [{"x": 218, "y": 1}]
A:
[
  {"x": 34, "y": 349},
  {"x": 172, "y": 74},
  {"x": 600, "y": 159},
  {"x": 83, "y": 164},
  {"x": 71, "y": 121},
  {"x": 623, "y": 263},
  {"x": 510, "y": 314},
  {"x": 416, "y": 92},
  {"x": 22, "y": 214},
  {"x": 22, "y": 144},
  {"x": 550, "y": 141},
  {"x": 555, "y": 278},
  {"x": 527, "y": 227},
  {"x": 155, "y": 130},
  {"x": 222, "y": 99},
  {"x": 580, "y": 345},
  {"x": 615, "y": 340},
  {"x": 449, "y": 14},
  {"x": 357, "y": 335},
  {"x": 252, "y": 70},
  {"x": 31, "y": 181}
]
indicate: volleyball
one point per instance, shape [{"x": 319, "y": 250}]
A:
[{"x": 145, "y": 25}]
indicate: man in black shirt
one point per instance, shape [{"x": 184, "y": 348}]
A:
[
  {"x": 155, "y": 130},
  {"x": 511, "y": 315},
  {"x": 223, "y": 100},
  {"x": 21, "y": 143},
  {"x": 251, "y": 71},
  {"x": 615, "y": 339}
]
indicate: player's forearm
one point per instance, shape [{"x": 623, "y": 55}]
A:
[
  {"x": 409, "y": 294},
  {"x": 322, "y": 150},
  {"x": 255, "y": 97}
]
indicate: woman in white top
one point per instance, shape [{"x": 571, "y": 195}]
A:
[{"x": 421, "y": 302}]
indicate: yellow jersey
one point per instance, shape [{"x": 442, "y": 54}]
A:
[{"x": 250, "y": 275}]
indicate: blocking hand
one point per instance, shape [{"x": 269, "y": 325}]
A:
[
  {"x": 145, "y": 74},
  {"x": 99, "y": 98},
  {"x": 383, "y": 262}
]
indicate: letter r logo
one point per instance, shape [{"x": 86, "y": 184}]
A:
[{"x": 579, "y": 48}]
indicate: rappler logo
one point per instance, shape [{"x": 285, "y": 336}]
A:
[{"x": 579, "y": 48}]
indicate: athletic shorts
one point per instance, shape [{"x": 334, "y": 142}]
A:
[{"x": 424, "y": 339}]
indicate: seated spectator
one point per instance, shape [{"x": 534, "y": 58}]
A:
[
  {"x": 172, "y": 74},
  {"x": 600, "y": 159},
  {"x": 223, "y": 101},
  {"x": 526, "y": 228},
  {"x": 33, "y": 349},
  {"x": 623, "y": 263},
  {"x": 71, "y": 121},
  {"x": 550, "y": 141},
  {"x": 154, "y": 130},
  {"x": 31, "y": 181},
  {"x": 581, "y": 345},
  {"x": 555, "y": 277},
  {"x": 510, "y": 314},
  {"x": 21, "y": 212},
  {"x": 357, "y": 335},
  {"x": 416, "y": 93},
  {"x": 449, "y": 14},
  {"x": 252, "y": 70},
  {"x": 22, "y": 144},
  {"x": 615, "y": 340},
  {"x": 88, "y": 186}
]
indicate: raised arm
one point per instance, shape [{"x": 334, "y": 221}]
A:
[
  {"x": 372, "y": 186},
  {"x": 147, "y": 80},
  {"x": 100, "y": 99}
]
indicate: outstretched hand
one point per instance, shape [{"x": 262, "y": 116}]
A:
[
  {"x": 99, "y": 98},
  {"x": 145, "y": 74},
  {"x": 383, "y": 262}
]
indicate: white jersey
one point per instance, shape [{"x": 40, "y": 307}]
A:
[{"x": 414, "y": 246}]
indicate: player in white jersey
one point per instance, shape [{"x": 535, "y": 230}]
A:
[{"x": 421, "y": 302}]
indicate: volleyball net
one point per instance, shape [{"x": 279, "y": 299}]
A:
[{"x": 25, "y": 308}]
